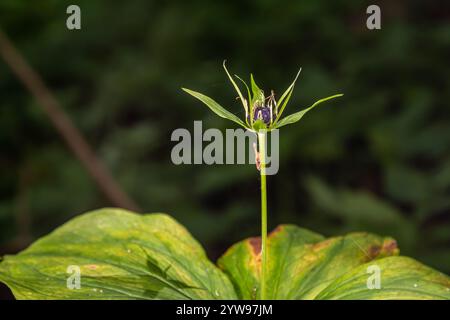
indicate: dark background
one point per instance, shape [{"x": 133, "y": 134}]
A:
[{"x": 377, "y": 159}]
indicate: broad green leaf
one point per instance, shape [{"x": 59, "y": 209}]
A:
[
  {"x": 242, "y": 262},
  {"x": 286, "y": 96},
  {"x": 304, "y": 265},
  {"x": 215, "y": 107},
  {"x": 401, "y": 278},
  {"x": 298, "y": 115},
  {"x": 121, "y": 255},
  {"x": 244, "y": 102}
]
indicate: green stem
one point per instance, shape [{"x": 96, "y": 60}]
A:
[{"x": 262, "y": 158}]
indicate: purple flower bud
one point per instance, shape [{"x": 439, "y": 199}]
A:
[{"x": 263, "y": 113}]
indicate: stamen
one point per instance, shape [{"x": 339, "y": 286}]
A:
[{"x": 271, "y": 114}]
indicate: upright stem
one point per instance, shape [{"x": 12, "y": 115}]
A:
[{"x": 262, "y": 158}]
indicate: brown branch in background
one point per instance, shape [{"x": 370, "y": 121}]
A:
[
  {"x": 70, "y": 134},
  {"x": 22, "y": 209}
]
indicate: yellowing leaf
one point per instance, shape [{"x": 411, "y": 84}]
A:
[
  {"x": 120, "y": 255},
  {"x": 304, "y": 265}
]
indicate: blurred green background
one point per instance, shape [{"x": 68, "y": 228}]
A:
[{"x": 377, "y": 159}]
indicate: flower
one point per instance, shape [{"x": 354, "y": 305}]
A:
[
  {"x": 260, "y": 112},
  {"x": 265, "y": 112}
]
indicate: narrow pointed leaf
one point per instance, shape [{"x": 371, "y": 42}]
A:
[
  {"x": 258, "y": 94},
  {"x": 244, "y": 102},
  {"x": 284, "y": 99},
  {"x": 298, "y": 115},
  {"x": 215, "y": 107},
  {"x": 246, "y": 86},
  {"x": 247, "y": 117}
]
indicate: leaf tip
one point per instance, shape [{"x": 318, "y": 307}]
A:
[{"x": 224, "y": 65}]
